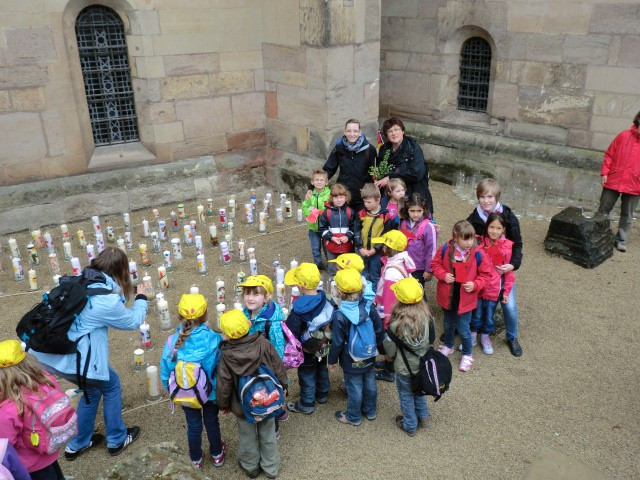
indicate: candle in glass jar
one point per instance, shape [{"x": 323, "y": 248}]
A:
[
  {"x": 133, "y": 272},
  {"x": 253, "y": 267},
  {"x": 262, "y": 219},
  {"x": 188, "y": 235},
  {"x": 194, "y": 227},
  {"x": 38, "y": 240},
  {"x": 176, "y": 248},
  {"x": 293, "y": 265},
  {"x": 213, "y": 235},
  {"x": 56, "y": 279},
  {"x": 225, "y": 253},
  {"x": 164, "y": 315},
  {"x": 299, "y": 215},
  {"x": 145, "y": 228},
  {"x": 162, "y": 230},
  {"x": 174, "y": 221},
  {"x": 279, "y": 216},
  {"x": 91, "y": 252},
  {"x": 144, "y": 254},
  {"x": 65, "y": 231},
  {"x": 194, "y": 290},
  {"x": 232, "y": 208},
  {"x": 99, "y": 242},
  {"x": 33, "y": 280},
  {"x": 156, "y": 214},
  {"x": 75, "y": 266},
  {"x": 252, "y": 253},
  {"x": 53, "y": 261},
  {"x": 13, "y": 246},
  {"x": 242, "y": 251},
  {"x": 95, "y": 220},
  {"x": 209, "y": 207},
  {"x": 48, "y": 240},
  {"x": 126, "y": 220},
  {"x": 138, "y": 358},
  {"x": 201, "y": 216},
  {"x": 168, "y": 262},
  {"x": 18, "y": 273},
  {"x": 280, "y": 275},
  {"x": 148, "y": 287},
  {"x": 82, "y": 241},
  {"x": 288, "y": 210},
  {"x": 202, "y": 264},
  {"x": 197, "y": 240},
  {"x": 181, "y": 210},
  {"x": 220, "y": 291},
  {"x": 145, "y": 335},
  {"x": 121, "y": 245},
  {"x": 222, "y": 214},
  {"x": 33, "y": 254},
  {"x": 66, "y": 248},
  {"x": 162, "y": 275},
  {"x": 248, "y": 211},
  {"x": 153, "y": 383}
]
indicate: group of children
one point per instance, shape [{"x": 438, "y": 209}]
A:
[{"x": 380, "y": 289}]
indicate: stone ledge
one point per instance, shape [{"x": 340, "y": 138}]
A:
[{"x": 118, "y": 156}]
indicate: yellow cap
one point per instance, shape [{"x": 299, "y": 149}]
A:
[
  {"x": 11, "y": 353},
  {"x": 408, "y": 290},
  {"x": 394, "y": 239},
  {"x": 348, "y": 280},
  {"x": 349, "y": 260},
  {"x": 192, "y": 306},
  {"x": 234, "y": 323},
  {"x": 258, "y": 281},
  {"x": 305, "y": 275}
]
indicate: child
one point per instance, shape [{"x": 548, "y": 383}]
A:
[
  {"x": 461, "y": 273},
  {"x": 310, "y": 322},
  {"x": 10, "y": 464},
  {"x": 23, "y": 382},
  {"x": 354, "y": 315},
  {"x": 193, "y": 341},
  {"x": 338, "y": 225},
  {"x": 312, "y": 208},
  {"x": 488, "y": 193},
  {"x": 241, "y": 353},
  {"x": 374, "y": 222},
  {"x": 394, "y": 199},
  {"x": 410, "y": 323},
  {"x": 397, "y": 264},
  {"x": 422, "y": 236},
  {"x": 265, "y": 316},
  {"x": 497, "y": 249}
]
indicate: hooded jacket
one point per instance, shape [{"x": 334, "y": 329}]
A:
[
  {"x": 353, "y": 166},
  {"x": 393, "y": 270},
  {"x": 496, "y": 281},
  {"x": 347, "y": 314},
  {"x": 317, "y": 200},
  {"x": 422, "y": 240},
  {"x": 622, "y": 163},
  {"x": 339, "y": 222},
  {"x": 272, "y": 313},
  {"x": 310, "y": 314},
  {"x": 101, "y": 313},
  {"x": 373, "y": 225},
  {"x": 242, "y": 357},
  {"x": 201, "y": 347},
  {"x": 417, "y": 341},
  {"x": 512, "y": 232}
]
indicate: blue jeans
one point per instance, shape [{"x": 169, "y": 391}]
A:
[
  {"x": 461, "y": 322},
  {"x": 195, "y": 418},
  {"x": 372, "y": 267},
  {"x": 316, "y": 247},
  {"x": 314, "y": 385},
  {"x": 362, "y": 394},
  {"x": 482, "y": 319},
  {"x": 116, "y": 430},
  {"x": 413, "y": 407},
  {"x": 510, "y": 311}
]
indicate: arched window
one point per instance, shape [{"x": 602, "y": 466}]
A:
[
  {"x": 107, "y": 77},
  {"x": 475, "y": 69}
]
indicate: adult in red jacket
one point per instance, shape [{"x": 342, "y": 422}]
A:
[{"x": 620, "y": 174}]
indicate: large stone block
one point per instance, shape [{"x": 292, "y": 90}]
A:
[
  {"x": 295, "y": 79},
  {"x": 145, "y": 22},
  {"x": 504, "y": 100},
  {"x": 271, "y": 102},
  {"x": 392, "y": 34},
  {"x": 567, "y": 17},
  {"x": 535, "y": 132},
  {"x": 196, "y": 147},
  {"x": 544, "y": 47},
  {"x": 189, "y": 86},
  {"x": 150, "y": 67},
  {"x": 613, "y": 79},
  {"x": 162, "y": 112},
  {"x": 340, "y": 66},
  {"x": 248, "y": 111},
  {"x": 342, "y": 104},
  {"x": 140, "y": 45},
  {"x": 629, "y": 55},
  {"x": 55, "y": 134},
  {"x": 612, "y": 125},
  {"x": 282, "y": 57},
  {"x": 616, "y": 105},
  {"x": 420, "y": 35},
  {"x": 23, "y": 77},
  {"x": 232, "y": 61},
  {"x": 24, "y": 171},
  {"x": 400, "y": 8},
  {"x": 258, "y": 80},
  {"x": 29, "y": 46},
  {"x": 278, "y": 16},
  {"x": 372, "y": 20},
  {"x": 27, "y": 99},
  {"x": 53, "y": 167},
  {"x": 555, "y": 106},
  {"x": 562, "y": 75},
  {"x": 366, "y": 64},
  {"x": 184, "y": 43},
  {"x": 316, "y": 68},
  {"x": 524, "y": 17},
  {"x": 21, "y": 138},
  {"x": 371, "y": 100},
  {"x": 225, "y": 83},
  {"x": 586, "y": 49},
  {"x": 621, "y": 19},
  {"x": 301, "y": 106},
  {"x": 168, "y": 132},
  {"x": 404, "y": 88},
  {"x": 282, "y": 135},
  {"x": 601, "y": 141},
  {"x": 192, "y": 64},
  {"x": 243, "y": 140},
  {"x": 208, "y": 116},
  {"x": 5, "y": 102}
]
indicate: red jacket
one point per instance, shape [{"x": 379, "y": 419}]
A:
[
  {"x": 478, "y": 274},
  {"x": 499, "y": 255},
  {"x": 622, "y": 163}
]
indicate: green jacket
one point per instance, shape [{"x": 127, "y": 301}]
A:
[
  {"x": 419, "y": 343},
  {"x": 316, "y": 200}
]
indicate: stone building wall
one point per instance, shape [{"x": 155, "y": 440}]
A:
[{"x": 563, "y": 72}]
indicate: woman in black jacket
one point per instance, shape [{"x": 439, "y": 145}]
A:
[
  {"x": 353, "y": 155},
  {"x": 405, "y": 157}
]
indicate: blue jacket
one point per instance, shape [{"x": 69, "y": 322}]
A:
[
  {"x": 101, "y": 313},
  {"x": 309, "y": 314},
  {"x": 349, "y": 313},
  {"x": 271, "y": 312},
  {"x": 201, "y": 347}
]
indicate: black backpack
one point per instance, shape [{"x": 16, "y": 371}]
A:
[
  {"x": 44, "y": 328},
  {"x": 434, "y": 376}
]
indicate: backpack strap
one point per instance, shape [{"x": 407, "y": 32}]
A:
[
  {"x": 478, "y": 254},
  {"x": 404, "y": 273},
  {"x": 402, "y": 347},
  {"x": 82, "y": 379}
]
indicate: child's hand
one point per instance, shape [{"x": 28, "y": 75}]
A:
[
  {"x": 468, "y": 287},
  {"x": 449, "y": 278},
  {"x": 502, "y": 269},
  {"x": 308, "y": 194},
  {"x": 364, "y": 252},
  {"x": 427, "y": 276},
  {"x": 437, "y": 228},
  {"x": 505, "y": 300},
  {"x": 336, "y": 240}
]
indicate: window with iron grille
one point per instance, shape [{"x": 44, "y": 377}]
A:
[
  {"x": 107, "y": 78},
  {"x": 475, "y": 69}
]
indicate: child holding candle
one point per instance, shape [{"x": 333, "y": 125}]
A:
[
  {"x": 461, "y": 273},
  {"x": 241, "y": 354},
  {"x": 193, "y": 341},
  {"x": 312, "y": 208}
]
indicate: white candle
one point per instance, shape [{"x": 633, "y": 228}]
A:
[
  {"x": 13, "y": 246},
  {"x": 144, "y": 254},
  {"x": 194, "y": 290},
  {"x": 248, "y": 211},
  {"x": 81, "y": 240},
  {"x": 280, "y": 275},
  {"x": 33, "y": 254},
  {"x": 126, "y": 219},
  {"x": 295, "y": 293},
  {"x": 145, "y": 335},
  {"x": 238, "y": 306},
  {"x": 262, "y": 225},
  {"x": 232, "y": 208},
  {"x": 37, "y": 238},
  {"x": 202, "y": 264},
  {"x": 299, "y": 215},
  {"x": 201, "y": 217},
  {"x": 145, "y": 228},
  {"x": 65, "y": 231},
  {"x": 280, "y": 294},
  {"x": 75, "y": 265},
  {"x": 33, "y": 280},
  {"x": 213, "y": 235},
  {"x": 99, "y": 242},
  {"x": 66, "y": 248},
  {"x": 176, "y": 248},
  {"x": 164, "y": 315},
  {"x": 138, "y": 358},
  {"x": 242, "y": 251},
  {"x": 156, "y": 214},
  {"x": 252, "y": 253},
  {"x": 133, "y": 272},
  {"x": 294, "y": 264},
  {"x": 168, "y": 262},
  {"x": 225, "y": 254},
  {"x": 279, "y": 216},
  {"x": 153, "y": 383},
  {"x": 162, "y": 230},
  {"x": 121, "y": 245},
  {"x": 95, "y": 220},
  {"x": 194, "y": 227},
  {"x": 56, "y": 279},
  {"x": 283, "y": 199},
  {"x": 220, "y": 308},
  {"x": 220, "y": 291},
  {"x": 162, "y": 275},
  {"x": 111, "y": 234},
  {"x": 128, "y": 239},
  {"x": 253, "y": 267},
  {"x": 48, "y": 240},
  {"x": 55, "y": 265},
  {"x": 181, "y": 210},
  {"x": 288, "y": 210},
  {"x": 198, "y": 243},
  {"x": 148, "y": 287},
  {"x": 188, "y": 235}
]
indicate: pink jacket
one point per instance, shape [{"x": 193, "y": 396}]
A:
[
  {"x": 393, "y": 270},
  {"x": 11, "y": 428},
  {"x": 499, "y": 255},
  {"x": 622, "y": 163}
]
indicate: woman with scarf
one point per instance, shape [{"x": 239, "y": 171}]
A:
[
  {"x": 353, "y": 155},
  {"x": 406, "y": 161}
]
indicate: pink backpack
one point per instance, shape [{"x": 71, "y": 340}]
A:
[
  {"x": 293, "y": 356},
  {"x": 49, "y": 421}
]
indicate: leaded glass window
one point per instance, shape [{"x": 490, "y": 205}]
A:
[
  {"x": 107, "y": 78},
  {"x": 475, "y": 70}
]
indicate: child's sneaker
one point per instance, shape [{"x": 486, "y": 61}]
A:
[
  {"x": 385, "y": 376},
  {"x": 474, "y": 341},
  {"x": 284, "y": 416},
  {"x": 487, "y": 346},
  {"x": 197, "y": 463},
  {"x": 218, "y": 460},
  {"x": 466, "y": 363},
  {"x": 445, "y": 350}
]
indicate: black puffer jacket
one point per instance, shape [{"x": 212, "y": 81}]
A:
[
  {"x": 409, "y": 165},
  {"x": 354, "y": 168},
  {"x": 512, "y": 232}
]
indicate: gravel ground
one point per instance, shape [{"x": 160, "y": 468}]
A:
[{"x": 572, "y": 391}]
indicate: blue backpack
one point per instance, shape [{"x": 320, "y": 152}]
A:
[
  {"x": 362, "y": 341},
  {"x": 261, "y": 395}
]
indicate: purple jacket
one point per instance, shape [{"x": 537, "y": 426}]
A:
[
  {"x": 11, "y": 462},
  {"x": 423, "y": 239}
]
